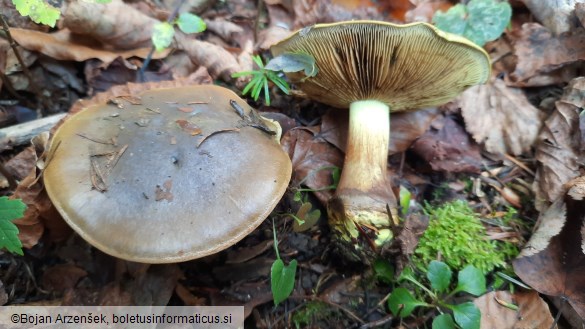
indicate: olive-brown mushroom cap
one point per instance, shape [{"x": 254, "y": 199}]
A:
[
  {"x": 405, "y": 66},
  {"x": 135, "y": 183}
]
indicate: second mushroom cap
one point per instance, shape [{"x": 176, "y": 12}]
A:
[{"x": 180, "y": 174}]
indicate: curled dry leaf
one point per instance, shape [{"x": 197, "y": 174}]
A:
[
  {"x": 447, "y": 147},
  {"x": 279, "y": 28},
  {"x": 533, "y": 311},
  {"x": 550, "y": 223},
  {"x": 557, "y": 16},
  {"x": 218, "y": 61},
  {"x": 225, "y": 29},
  {"x": 122, "y": 27},
  {"x": 559, "y": 148},
  {"x": 309, "y": 153},
  {"x": 500, "y": 117},
  {"x": 61, "y": 45},
  {"x": 115, "y": 23},
  {"x": 61, "y": 277},
  {"x": 310, "y": 12},
  {"x": 557, "y": 270},
  {"x": 543, "y": 59}
]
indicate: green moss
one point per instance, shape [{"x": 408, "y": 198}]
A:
[
  {"x": 457, "y": 235},
  {"x": 312, "y": 313}
]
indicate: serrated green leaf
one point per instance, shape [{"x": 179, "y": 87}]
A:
[
  {"x": 439, "y": 274},
  {"x": 480, "y": 21},
  {"x": 39, "y": 11},
  {"x": 471, "y": 280},
  {"x": 282, "y": 279},
  {"x": 467, "y": 315},
  {"x": 292, "y": 62},
  {"x": 443, "y": 321},
  {"x": 384, "y": 271},
  {"x": 487, "y": 20},
  {"x": 162, "y": 35},
  {"x": 9, "y": 211},
  {"x": 190, "y": 23},
  {"x": 402, "y": 303},
  {"x": 453, "y": 20}
]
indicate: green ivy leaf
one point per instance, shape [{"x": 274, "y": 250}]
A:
[
  {"x": 480, "y": 21},
  {"x": 402, "y": 303},
  {"x": 190, "y": 23},
  {"x": 291, "y": 62},
  {"x": 439, "y": 274},
  {"x": 282, "y": 279},
  {"x": 384, "y": 271},
  {"x": 9, "y": 211},
  {"x": 39, "y": 11},
  {"x": 467, "y": 315},
  {"x": 162, "y": 35},
  {"x": 453, "y": 20},
  {"x": 443, "y": 321},
  {"x": 471, "y": 280}
]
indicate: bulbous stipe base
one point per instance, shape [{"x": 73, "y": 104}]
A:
[{"x": 361, "y": 225}]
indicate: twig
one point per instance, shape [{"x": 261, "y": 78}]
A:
[
  {"x": 35, "y": 88},
  {"x": 21, "y": 134},
  {"x": 148, "y": 58}
]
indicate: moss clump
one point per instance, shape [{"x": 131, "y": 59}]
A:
[
  {"x": 313, "y": 312},
  {"x": 457, "y": 235}
]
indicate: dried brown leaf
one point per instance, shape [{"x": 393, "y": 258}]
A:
[
  {"x": 62, "y": 45},
  {"x": 62, "y": 276},
  {"x": 218, "y": 61},
  {"x": 556, "y": 15},
  {"x": 559, "y": 148},
  {"x": 225, "y": 29},
  {"x": 500, "y": 117},
  {"x": 310, "y": 12},
  {"x": 557, "y": 270},
  {"x": 533, "y": 312},
  {"x": 115, "y": 23},
  {"x": 309, "y": 153},
  {"x": 543, "y": 59},
  {"x": 448, "y": 147},
  {"x": 550, "y": 223}
]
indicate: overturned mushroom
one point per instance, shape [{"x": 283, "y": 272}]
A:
[
  {"x": 173, "y": 175},
  {"x": 374, "y": 68}
]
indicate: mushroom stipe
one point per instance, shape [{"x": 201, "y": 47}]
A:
[{"x": 375, "y": 68}]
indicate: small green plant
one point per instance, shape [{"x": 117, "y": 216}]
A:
[
  {"x": 456, "y": 234},
  {"x": 9, "y": 211},
  {"x": 288, "y": 62},
  {"x": 282, "y": 277},
  {"x": 402, "y": 302},
  {"x": 306, "y": 216},
  {"x": 259, "y": 81},
  {"x": 480, "y": 20},
  {"x": 164, "y": 32}
]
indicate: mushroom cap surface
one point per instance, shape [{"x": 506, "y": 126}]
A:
[
  {"x": 138, "y": 183},
  {"x": 405, "y": 66}
]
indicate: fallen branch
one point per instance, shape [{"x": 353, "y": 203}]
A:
[{"x": 21, "y": 134}]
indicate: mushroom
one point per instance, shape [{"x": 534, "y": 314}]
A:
[
  {"x": 173, "y": 175},
  {"x": 374, "y": 68}
]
